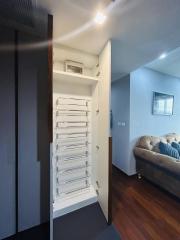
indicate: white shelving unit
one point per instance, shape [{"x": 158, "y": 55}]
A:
[
  {"x": 80, "y": 110},
  {"x": 72, "y": 153},
  {"x": 67, "y": 77}
]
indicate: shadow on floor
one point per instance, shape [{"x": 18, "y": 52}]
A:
[{"x": 85, "y": 224}]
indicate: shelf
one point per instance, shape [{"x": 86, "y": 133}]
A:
[
  {"x": 74, "y": 202},
  {"x": 67, "y": 77}
]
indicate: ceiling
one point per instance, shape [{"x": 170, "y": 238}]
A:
[
  {"x": 169, "y": 65},
  {"x": 140, "y": 30}
]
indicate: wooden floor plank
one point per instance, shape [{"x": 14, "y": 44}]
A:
[{"x": 143, "y": 211}]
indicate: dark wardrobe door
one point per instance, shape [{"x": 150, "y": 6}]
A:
[
  {"x": 33, "y": 162},
  {"x": 7, "y": 135}
]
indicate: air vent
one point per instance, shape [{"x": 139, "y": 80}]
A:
[{"x": 19, "y": 11}]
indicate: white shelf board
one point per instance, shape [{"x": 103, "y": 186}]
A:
[
  {"x": 67, "y": 77},
  {"x": 74, "y": 202}
]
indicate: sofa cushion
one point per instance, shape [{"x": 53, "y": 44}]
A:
[
  {"x": 167, "y": 149},
  {"x": 176, "y": 146}
]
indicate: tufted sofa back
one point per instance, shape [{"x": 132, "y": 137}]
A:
[{"x": 152, "y": 143}]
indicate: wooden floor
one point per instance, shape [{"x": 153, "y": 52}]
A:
[{"x": 142, "y": 211}]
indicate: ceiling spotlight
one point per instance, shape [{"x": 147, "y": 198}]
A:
[
  {"x": 162, "y": 56},
  {"x": 100, "y": 18}
]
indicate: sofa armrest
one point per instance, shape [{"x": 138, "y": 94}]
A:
[{"x": 169, "y": 163}]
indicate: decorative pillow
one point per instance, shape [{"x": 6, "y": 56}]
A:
[
  {"x": 176, "y": 146},
  {"x": 167, "y": 149}
]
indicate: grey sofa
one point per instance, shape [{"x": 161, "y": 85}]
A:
[{"x": 161, "y": 169}]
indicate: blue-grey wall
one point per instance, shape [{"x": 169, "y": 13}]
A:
[
  {"x": 142, "y": 122},
  {"x": 143, "y": 82},
  {"x": 139, "y": 89},
  {"x": 120, "y": 105}
]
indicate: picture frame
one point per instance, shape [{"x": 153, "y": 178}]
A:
[{"x": 163, "y": 104}]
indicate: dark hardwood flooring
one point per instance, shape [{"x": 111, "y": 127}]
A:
[{"x": 142, "y": 211}]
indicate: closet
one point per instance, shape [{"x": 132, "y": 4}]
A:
[
  {"x": 80, "y": 152},
  {"x": 24, "y": 138},
  {"x": 7, "y": 137}
]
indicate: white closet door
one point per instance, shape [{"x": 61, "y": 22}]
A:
[{"x": 103, "y": 128}]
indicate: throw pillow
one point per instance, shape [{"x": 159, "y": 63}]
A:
[
  {"x": 176, "y": 146},
  {"x": 167, "y": 149}
]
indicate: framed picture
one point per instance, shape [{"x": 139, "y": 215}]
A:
[{"x": 162, "y": 104}]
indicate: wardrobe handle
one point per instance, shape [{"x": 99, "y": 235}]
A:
[
  {"x": 97, "y": 192},
  {"x": 98, "y": 74},
  {"x": 97, "y": 147},
  {"x": 97, "y": 183}
]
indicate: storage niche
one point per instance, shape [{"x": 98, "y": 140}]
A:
[{"x": 76, "y": 136}]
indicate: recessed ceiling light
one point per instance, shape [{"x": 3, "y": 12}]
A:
[
  {"x": 100, "y": 18},
  {"x": 162, "y": 56}
]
